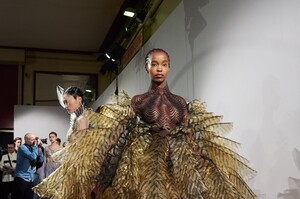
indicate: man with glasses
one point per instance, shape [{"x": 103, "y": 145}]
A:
[{"x": 7, "y": 166}]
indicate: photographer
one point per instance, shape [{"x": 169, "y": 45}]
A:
[
  {"x": 29, "y": 155},
  {"x": 7, "y": 165}
]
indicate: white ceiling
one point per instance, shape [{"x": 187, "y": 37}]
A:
[{"x": 68, "y": 25}]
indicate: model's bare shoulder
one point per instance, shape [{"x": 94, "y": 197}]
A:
[{"x": 82, "y": 122}]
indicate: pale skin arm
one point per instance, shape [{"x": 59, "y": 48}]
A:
[{"x": 82, "y": 122}]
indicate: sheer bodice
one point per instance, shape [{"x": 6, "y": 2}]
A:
[
  {"x": 160, "y": 108},
  {"x": 51, "y": 165}
]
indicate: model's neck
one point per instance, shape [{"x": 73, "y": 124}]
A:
[
  {"x": 79, "y": 111},
  {"x": 156, "y": 85},
  {"x": 161, "y": 87}
]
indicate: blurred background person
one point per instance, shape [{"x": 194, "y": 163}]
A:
[
  {"x": 7, "y": 166},
  {"x": 18, "y": 142},
  {"x": 50, "y": 164},
  {"x": 28, "y": 156}
]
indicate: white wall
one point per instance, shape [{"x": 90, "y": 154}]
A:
[
  {"x": 41, "y": 120},
  {"x": 242, "y": 58}
]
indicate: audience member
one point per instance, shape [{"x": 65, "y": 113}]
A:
[
  {"x": 18, "y": 142},
  {"x": 29, "y": 155},
  {"x": 7, "y": 166}
]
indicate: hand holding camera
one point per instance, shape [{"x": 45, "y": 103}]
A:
[{"x": 40, "y": 142}]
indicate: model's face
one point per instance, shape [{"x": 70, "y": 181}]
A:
[
  {"x": 52, "y": 138},
  {"x": 72, "y": 104},
  {"x": 158, "y": 66}
]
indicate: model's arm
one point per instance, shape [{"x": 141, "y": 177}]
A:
[
  {"x": 185, "y": 114},
  {"x": 184, "y": 108},
  {"x": 133, "y": 101}
]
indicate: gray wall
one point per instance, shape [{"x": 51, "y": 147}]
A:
[
  {"x": 41, "y": 120},
  {"x": 242, "y": 58}
]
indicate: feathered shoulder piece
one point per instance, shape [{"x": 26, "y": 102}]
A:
[
  {"x": 82, "y": 160},
  {"x": 122, "y": 98},
  {"x": 225, "y": 172}
]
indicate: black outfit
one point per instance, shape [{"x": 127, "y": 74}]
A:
[{"x": 24, "y": 189}]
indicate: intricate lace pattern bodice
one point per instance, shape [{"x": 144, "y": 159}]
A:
[{"x": 159, "y": 107}]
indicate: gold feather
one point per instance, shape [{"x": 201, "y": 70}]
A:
[{"x": 127, "y": 161}]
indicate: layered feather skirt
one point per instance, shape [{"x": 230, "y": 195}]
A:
[{"x": 122, "y": 158}]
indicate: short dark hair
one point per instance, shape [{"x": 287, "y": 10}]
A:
[
  {"x": 12, "y": 142},
  {"x": 53, "y": 133},
  {"x": 75, "y": 92},
  {"x": 18, "y": 138}
]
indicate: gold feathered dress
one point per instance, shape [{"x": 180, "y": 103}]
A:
[{"x": 125, "y": 157}]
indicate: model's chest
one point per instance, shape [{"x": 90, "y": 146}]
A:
[{"x": 157, "y": 108}]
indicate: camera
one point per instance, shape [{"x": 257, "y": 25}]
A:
[{"x": 44, "y": 141}]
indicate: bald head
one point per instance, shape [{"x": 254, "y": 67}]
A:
[{"x": 29, "y": 139}]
